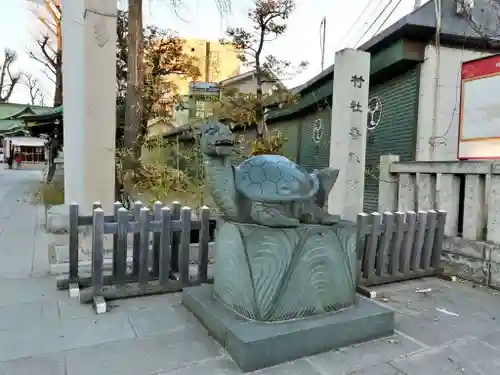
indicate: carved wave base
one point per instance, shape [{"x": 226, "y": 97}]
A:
[{"x": 271, "y": 275}]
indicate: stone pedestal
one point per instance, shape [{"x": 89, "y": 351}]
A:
[
  {"x": 255, "y": 345},
  {"x": 277, "y": 274},
  {"x": 283, "y": 293},
  {"x": 89, "y": 80}
]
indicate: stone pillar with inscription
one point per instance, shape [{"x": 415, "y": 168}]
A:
[{"x": 348, "y": 131}]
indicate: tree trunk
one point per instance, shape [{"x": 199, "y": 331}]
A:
[
  {"x": 58, "y": 93},
  {"x": 135, "y": 81},
  {"x": 259, "y": 110}
]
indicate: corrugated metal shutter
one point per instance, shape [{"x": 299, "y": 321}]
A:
[
  {"x": 395, "y": 133},
  {"x": 315, "y": 140},
  {"x": 289, "y": 129}
]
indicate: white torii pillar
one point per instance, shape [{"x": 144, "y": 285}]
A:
[{"x": 89, "y": 99}]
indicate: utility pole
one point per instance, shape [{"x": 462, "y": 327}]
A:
[
  {"x": 322, "y": 38},
  {"x": 207, "y": 62}
]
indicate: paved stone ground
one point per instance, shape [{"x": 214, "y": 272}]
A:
[{"x": 451, "y": 329}]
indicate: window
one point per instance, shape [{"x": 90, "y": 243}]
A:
[{"x": 204, "y": 109}]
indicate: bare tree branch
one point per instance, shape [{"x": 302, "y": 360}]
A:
[
  {"x": 8, "y": 79},
  {"x": 35, "y": 92}
]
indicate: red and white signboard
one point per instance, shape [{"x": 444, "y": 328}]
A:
[{"x": 479, "y": 124}]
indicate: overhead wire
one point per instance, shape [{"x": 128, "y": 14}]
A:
[
  {"x": 355, "y": 22},
  {"x": 374, "y": 22},
  {"x": 369, "y": 17},
  {"x": 388, "y": 16}
]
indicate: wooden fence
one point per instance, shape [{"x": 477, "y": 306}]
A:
[
  {"x": 167, "y": 271},
  {"x": 399, "y": 247}
]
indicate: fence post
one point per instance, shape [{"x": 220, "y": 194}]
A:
[
  {"x": 438, "y": 239},
  {"x": 164, "y": 271},
  {"x": 371, "y": 246},
  {"x": 387, "y": 184},
  {"x": 184, "y": 245},
  {"x": 384, "y": 244},
  {"x": 174, "y": 259},
  {"x": 203, "y": 244},
  {"x": 425, "y": 194},
  {"x": 493, "y": 227},
  {"x": 429, "y": 240},
  {"x": 144, "y": 228},
  {"x": 448, "y": 196},
  {"x": 411, "y": 219},
  {"x": 361, "y": 229},
  {"x": 156, "y": 240},
  {"x": 73, "y": 242},
  {"x": 396, "y": 243},
  {"x": 136, "y": 241},
  {"x": 116, "y": 208},
  {"x": 407, "y": 191},
  {"x": 97, "y": 251},
  {"x": 120, "y": 256},
  {"x": 474, "y": 202},
  {"x": 416, "y": 254}
]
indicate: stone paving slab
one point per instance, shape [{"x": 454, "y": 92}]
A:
[
  {"x": 223, "y": 366},
  {"x": 148, "y": 355},
  {"x": 383, "y": 369},
  {"x": 492, "y": 339},
  {"x": 442, "y": 360},
  {"x": 38, "y": 313},
  {"x": 51, "y": 364},
  {"x": 30, "y": 340},
  {"x": 15, "y": 291},
  {"x": 364, "y": 355},
  {"x": 160, "y": 320},
  {"x": 445, "y": 312}
]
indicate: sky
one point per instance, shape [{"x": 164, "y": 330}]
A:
[{"x": 201, "y": 19}]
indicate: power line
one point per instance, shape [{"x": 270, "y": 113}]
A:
[
  {"x": 387, "y": 18},
  {"x": 355, "y": 22},
  {"x": 372, "y": 14},
  {"x": 374, "y": 22}
]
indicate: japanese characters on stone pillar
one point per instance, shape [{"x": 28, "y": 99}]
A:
[{"x": 348, "y": 133}]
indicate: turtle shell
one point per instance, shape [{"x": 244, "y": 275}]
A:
[{"x": 273, "y": 179}]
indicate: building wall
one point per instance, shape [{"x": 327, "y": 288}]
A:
[
  {"x": 224, "y": 62},
  {"x": 437, "y": 140},
  {"x": 249, "y": 86},
  {"x": 158, "y": 127}
]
